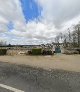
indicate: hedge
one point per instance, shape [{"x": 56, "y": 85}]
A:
[
  {"x": 3, "y": 51},
  {"x": 36, "y": 51}
]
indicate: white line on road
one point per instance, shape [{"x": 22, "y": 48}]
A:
[{"x": 10, "y": 88}]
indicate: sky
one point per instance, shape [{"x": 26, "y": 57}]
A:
[{"x": 36, "y": 21}]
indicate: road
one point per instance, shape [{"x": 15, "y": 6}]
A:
[{"x": 30, "y": 79}]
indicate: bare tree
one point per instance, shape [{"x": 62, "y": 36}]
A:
[
  {"x": 77, "y": 33},
  {"x": 71, "y": 38}
]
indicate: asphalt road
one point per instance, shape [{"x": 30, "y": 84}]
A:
[
  {"x": 31, "y": 79},
  {"x": 4, "y": 90}
]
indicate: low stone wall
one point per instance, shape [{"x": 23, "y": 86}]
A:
[{"x": 17, "y": 52}]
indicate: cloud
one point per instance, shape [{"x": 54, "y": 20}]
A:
[
  {"x": 56, "y": 16},
  {"x": 59, "y": 11},
  {"x": 36, "y": 31},
  {"x": 11, "y": 11}
]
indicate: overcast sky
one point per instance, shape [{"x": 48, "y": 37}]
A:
[{"x": 36, "y": 21}]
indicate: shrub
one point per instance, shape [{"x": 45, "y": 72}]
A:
[
  {"x": 47, "y": 52},
  {"x": 29, "y": 52},
  {"x": 3, "y": 51},
  {"x": 36, "y": 51},
  {"x": 78, "y": 50}
]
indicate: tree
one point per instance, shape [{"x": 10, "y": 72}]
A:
[{"x": 77, "y": 33}]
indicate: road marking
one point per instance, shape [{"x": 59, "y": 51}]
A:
[{"x": 10, "y": 88}]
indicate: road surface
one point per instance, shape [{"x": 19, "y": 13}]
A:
[{"x": 30, "y": 79}]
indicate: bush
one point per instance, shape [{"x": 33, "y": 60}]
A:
[
  {"x": 3, "y": 51},
  {"x": 47, "y": 52},
  {"x": 36, "y": 51},
  {"x": 78, "y": 50},
  {"x": 29, "y": 52}
]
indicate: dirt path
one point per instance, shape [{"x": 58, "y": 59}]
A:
[{"x": 64, "y": 62}]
